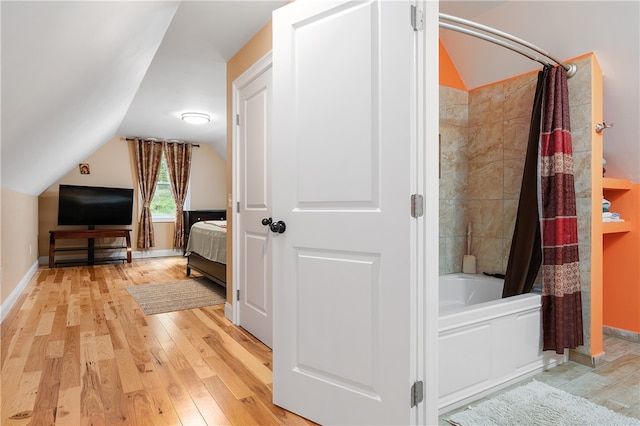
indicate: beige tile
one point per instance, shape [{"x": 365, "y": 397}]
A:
[
  {"x": 518, "y": 96},
  {"x": 485, "y": 142},
  {"x": 516, "y": 137},
  {"x": 453, "y": 181},
  {"x": 454, "y": 145},
  {"x": 513, "y": 170},
  {"x": 442, "y": 259},
  {"x": 457, "y": 216},
  {"x": 485, "y": 217},
  {"x": 580, "y": 84},
  {"x": 486, "y": 105},
  {"x": 488, "y": 252},
  {"x": 454, "y": 253},
  {"x": 581, "y": 127},
  {"x": 485, "y": 181},
  {"x": 582, "y": 173},
  {"x": 509, "y": 213}
]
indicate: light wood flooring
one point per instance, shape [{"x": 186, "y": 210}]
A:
[{"x": 78, "y": 350}]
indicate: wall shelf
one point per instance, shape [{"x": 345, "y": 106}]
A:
[
  {"x": 614, "y": 227},
  {"x": 616, "y": 184}
]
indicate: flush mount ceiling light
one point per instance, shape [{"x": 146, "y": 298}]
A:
[{"x": 196, "y": 117}]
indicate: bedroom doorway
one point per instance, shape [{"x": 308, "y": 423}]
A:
[{"x": 252, "y": 139}]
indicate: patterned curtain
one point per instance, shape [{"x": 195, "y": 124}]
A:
[
  {"x": 178, "y": 156},
  {"x": 148, "y": 159},
  {"x": 561, "y": 296}
]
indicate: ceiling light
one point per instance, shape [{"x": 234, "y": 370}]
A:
[{"x": 196, "y": 117}]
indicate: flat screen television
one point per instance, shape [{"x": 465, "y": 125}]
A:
[{"x": 94, "y": 205}]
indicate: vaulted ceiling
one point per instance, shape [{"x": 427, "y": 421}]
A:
[{"x": 75, "y": 74}]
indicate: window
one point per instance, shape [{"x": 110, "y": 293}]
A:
[{"x": 163, "y": 208}]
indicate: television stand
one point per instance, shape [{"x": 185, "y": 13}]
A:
[{"x": 89, "y": 235}]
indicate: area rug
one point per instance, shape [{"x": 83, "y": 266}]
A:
[
  {"x": 177, "y": 295},
  {"x": 537, "y": 404}
]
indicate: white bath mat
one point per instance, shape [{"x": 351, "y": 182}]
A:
[{"x": 537, "y": 404}]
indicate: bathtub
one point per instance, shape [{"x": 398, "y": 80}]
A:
[{"x": 486, "y": 342}]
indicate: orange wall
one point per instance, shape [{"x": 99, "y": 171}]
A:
[
  {"x": 621, "y": 269},
  {"x": 449, "y": 75},
  {"x": 249, "y": 54}
]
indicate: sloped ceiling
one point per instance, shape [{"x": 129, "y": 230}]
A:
[
  {"x": 76, "y": 74},
  {"x": 565, "y": 29},
  {"x": 69, "y": 73}
]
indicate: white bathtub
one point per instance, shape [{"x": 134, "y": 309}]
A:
[{"x": 486, "y": 342}]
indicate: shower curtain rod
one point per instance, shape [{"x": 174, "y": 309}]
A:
[{"x": 570, "y": 67}]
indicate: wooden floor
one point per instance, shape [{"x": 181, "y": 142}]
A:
[{"x": 78, "y": 350}]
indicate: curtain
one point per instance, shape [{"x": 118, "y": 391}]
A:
[
  {"x": 178, "y": 157},
  {"x": 561, "y": 296},
  {"x": 525, "y": 255},
  {"x": 148, "y": 159}
]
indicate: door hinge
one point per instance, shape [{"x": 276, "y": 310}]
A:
[
  {"x": 238, "y": 207},
  {"x": 237, "y": 119},
  {"x": 238, "y": 294},
  {"x": 417, "y": 393},
  {"x": 417, "y": 18},
  {"x": 417, "y": 205}
]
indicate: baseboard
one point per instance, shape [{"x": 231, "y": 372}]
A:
[
  {"x": 228, "y": 311},
  {"x": 10, "y": 301},
  {"x": 156, "y": 253},
  {"x": 588, "y": 360},
  {"x": 146, "y": 254},
  {"x": 631, "y": 336}
]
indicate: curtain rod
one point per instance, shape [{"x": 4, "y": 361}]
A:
[
  {"x": 570, "y": 67},
  {"x": 195, "y": 145}
]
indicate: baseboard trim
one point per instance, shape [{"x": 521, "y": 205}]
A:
[
  {"x": 156, "y": 253},
  {"x": 10, "y": 301},
  {"x": 228, "y": 311},
  {"x": 588, "y": 360},
  {"x": 146, "y": 254},
  {"x": 631, "y": 336}
]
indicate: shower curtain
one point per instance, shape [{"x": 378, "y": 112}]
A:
[
  {"x": 525, "y": 255},
  {"x": 550, "y": 230}
]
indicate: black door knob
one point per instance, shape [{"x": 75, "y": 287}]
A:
[{"x": 278, "y": 227}]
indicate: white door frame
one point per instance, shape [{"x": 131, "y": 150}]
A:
[
  {"x": 255, "y": 70},
  {"x": 428, "y": 128}
]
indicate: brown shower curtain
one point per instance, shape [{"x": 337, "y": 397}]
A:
[
  {"x": 552, "y": 239},
  {"x": 525, "y": 255},
  {"x": 178, "y": 156}
]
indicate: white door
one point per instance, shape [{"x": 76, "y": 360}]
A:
[
  {"x": 343, "y": 138},
  {"x": 253, "y": 109}
]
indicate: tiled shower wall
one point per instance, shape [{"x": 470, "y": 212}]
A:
[{"x": 484, "y": 136}]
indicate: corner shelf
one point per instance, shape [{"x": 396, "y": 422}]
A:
[{"x": 613, "y": 184}]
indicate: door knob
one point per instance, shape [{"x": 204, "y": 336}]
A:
[{"x": 278, "y": 227}]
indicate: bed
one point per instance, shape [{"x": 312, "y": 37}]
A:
[{"x": 205, "y": 248}]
